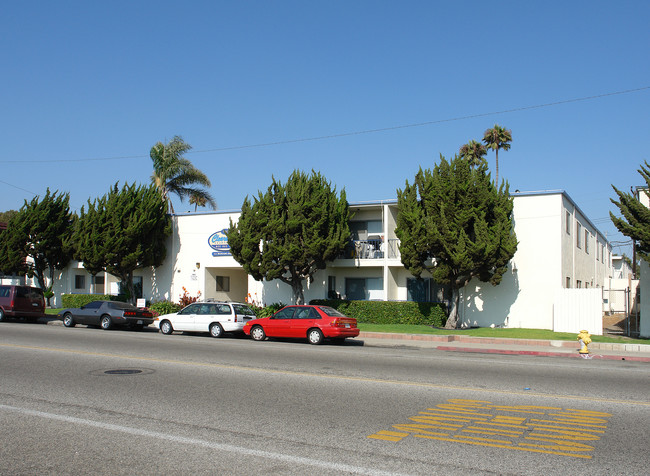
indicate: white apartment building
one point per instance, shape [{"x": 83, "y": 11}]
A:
[{"x": 559, "y": 247}]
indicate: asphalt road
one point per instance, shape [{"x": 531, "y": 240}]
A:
[{"x": 82, "y": 400}]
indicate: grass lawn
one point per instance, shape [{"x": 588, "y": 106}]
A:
[{"x": 494, "y": 332}]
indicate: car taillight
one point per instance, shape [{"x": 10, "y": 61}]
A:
[{"x": 129, "y": 314}]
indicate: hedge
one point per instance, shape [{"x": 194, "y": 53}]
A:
[
  {"x": 390, "y": 312},
  {"x": 165, "y": 307},
  {"x": 78, "y": 300}
]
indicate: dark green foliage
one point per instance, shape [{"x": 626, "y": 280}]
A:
[
  {"x": 291, "y": 231},
  {"x": 454, "y": 223},
  {"x": 269, "y": 310},
  {"x": 42, "y": 230},
  {"x": 165, "y": 307},
  {"x": 8, "y": 215},
  {"x": 635, "y": 222},
  {"x": 78, "y": 300},
  {"x": 389, "y": 312},
  {"x": 123, "y": 231}
]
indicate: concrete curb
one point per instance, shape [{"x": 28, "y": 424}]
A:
[
  {"x": 504, "y": 341},
  {"x": 589, "y": 356}
]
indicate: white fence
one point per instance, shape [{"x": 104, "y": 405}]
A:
[{"x": 577, "y": 309}]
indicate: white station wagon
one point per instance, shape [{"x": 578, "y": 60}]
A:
[{"x": 213, "y": 317}]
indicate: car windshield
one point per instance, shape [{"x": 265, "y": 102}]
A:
[{"x": 330, "y": 311}]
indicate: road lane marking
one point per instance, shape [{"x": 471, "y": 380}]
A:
[
  {"x": 329, "y": 465},
  {"x": 449, "y": 408},
  {"x": 563, "y": 431}
]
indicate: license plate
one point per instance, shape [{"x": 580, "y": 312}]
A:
[
  {"x": 139, "y": 321},
  {"x": 347, "y": 325}
]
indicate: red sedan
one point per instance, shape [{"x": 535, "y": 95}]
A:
[{"x": 315, "y": 323}]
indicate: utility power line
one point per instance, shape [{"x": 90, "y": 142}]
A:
[{"x": 352, "y": 133}]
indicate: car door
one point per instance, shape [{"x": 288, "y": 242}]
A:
[
  {"x": 184, "y": 320},
  {"x": 89, "y": 314},
  {"x": 279, "y": 325},
  {"x": 303, "y": 320}
]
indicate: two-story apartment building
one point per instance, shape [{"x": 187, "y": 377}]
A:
[{"x": 559, "y": 247}]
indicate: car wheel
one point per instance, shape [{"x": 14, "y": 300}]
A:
[
  {"x": 315, "y": 336},
  {"x": 257, "y": 333},
  {"x": 216, "y": 330},
  {"x": 166, "y": 327},
  {"x": 2, "y": 315},
  {"x": 68, "y": 321},
  {"x": 106, "y": 323}
]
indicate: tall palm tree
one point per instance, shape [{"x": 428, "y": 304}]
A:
[
  {"x": 497, "y": 138},
  {"x": 474, "y": 152},
  {"x": 172, "y": 173},
  {"x": 197, "y": 201}
]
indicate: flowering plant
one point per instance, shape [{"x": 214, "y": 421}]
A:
[{"x": 186, "y": 299}]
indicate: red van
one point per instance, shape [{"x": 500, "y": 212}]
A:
[{"x": 21, "y": 301}]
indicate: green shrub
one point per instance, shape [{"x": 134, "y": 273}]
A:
[
  {"x": 269, "y": 310},
  {"x": 78, "y": 300},
  {"x": 390, "y": 312},
  {"x": 164, "y": 307}
]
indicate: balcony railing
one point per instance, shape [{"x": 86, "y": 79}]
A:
[{"x": 372, "y": 249}]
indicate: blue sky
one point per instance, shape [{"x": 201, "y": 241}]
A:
[{"x": 88, "y": 87}]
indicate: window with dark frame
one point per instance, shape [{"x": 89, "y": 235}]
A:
[
  {"x": 223, "y": 284},
  {"x": 79, "y": 281}
]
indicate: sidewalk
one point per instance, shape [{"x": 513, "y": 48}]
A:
[{"x": 489, "y": 345}]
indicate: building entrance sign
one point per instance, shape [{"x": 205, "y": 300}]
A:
[{"x": 219, "y": 243}]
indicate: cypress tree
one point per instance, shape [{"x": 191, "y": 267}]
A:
[
  {"x": 42, "y": 230},
  {"x": 455, "y": 223},
  {"x": 635, "y": 222},
  {"x": 123, "y": 231},
  {"x": 291, "y": 231}
]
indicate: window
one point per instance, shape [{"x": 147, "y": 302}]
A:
[
  {"x": 286, "y": 313},
  {"x": 363, "y": 289},
  {"x": 137, "y": 287},
  {"x": 568, "y": 282},
  {"x": 602, "y": 253},
  {"x": 578, "y": 233},
  {"x": 223, "y": 284},
  {"x": 587, "y": 241},
  {"x": 361, "y": 229},
  {"x": 79, "y": 281},
  {"x": 426, "y": 290},
  {"x": 578, "y": 284},
  {"x": 568, "y": 223},
  {"x": 331, "y": 288}
]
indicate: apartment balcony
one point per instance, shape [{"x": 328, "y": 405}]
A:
[{"x": 372, "y": 249}]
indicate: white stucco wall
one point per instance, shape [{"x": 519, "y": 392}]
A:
[
  {"x": 525, "y": 296},
  {"x": 644, "y": 327}
]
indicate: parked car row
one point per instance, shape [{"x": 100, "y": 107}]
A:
[{"x": 314, "y": 323}]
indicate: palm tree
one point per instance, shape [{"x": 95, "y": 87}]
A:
[
  {"x": 474, "y": 152},
  {"x": 172, "y": 173},
  {"x": 497, "y": 138},
  {"x": 197, "y": 201}
]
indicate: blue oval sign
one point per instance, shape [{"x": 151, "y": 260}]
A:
[{"x": 219, "y": 243}]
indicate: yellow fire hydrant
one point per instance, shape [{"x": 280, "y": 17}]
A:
[{"x": 585, "y": 339}]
